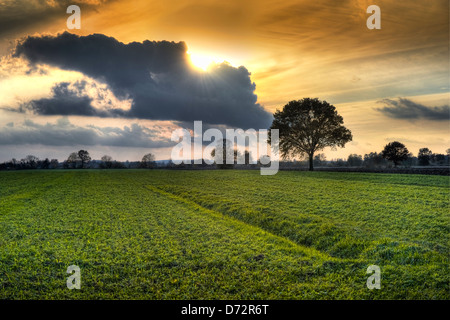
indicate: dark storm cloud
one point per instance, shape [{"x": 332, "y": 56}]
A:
[
  {"x": 68, "y": 99},
  {"x": 407, "y": 109},
  {"x": 64, "y": 102},
  {"x": 64, "y": 133},
  {"x": 157, "y": 76}
]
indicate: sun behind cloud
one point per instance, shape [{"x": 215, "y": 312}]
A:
[{"x": 204, "y": 61}]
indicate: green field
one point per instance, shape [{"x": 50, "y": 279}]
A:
[{"x": 156, "y": 234}]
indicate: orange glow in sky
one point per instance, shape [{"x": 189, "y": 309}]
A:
[{"x": 292, "y": 49}]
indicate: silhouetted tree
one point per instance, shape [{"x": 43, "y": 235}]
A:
[
  {"x": 84, "y": 157},
  {"x": 54, "y": 163},
  {"x": 148, "y": 161},
  {"x": 424, "y": 156},
  {"x": 437, "y": 158},
  {"x": 309, "y": 125},
  {"x": 72, "y": 160},
  {"x": 107, "y": 162},
  {"x": 395, "y": 152},
  {"x": 29, "y": 162},
  {"x": 354, "y": 160},
  {"x": 45, "y": 164},
  {"x": 373, "y": 159}
]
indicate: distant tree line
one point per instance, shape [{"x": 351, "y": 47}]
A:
[
  {"x": 29, "y": 162},
  {"x": 394, "y": 154},
  {"x": 77, "y": 160}
]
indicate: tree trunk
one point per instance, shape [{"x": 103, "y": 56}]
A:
[{"x": 311, "y": 162}]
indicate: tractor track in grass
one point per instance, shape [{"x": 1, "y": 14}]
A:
[
  {"x": 164, "y": 235},
  {"x": 194, "y": 205}
]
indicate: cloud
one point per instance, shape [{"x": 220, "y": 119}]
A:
[
  {"x": 407, "y": 109},
  {"x": 19, "y": 15},
  {"x": 78, "y": 98},
  {"x": 63, "y": 96},
  {"x": 157, "y": 76},
  {"x": 64, "y": 133}
]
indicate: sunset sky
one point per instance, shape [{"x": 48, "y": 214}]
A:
[{"x": 136, "y": 71}]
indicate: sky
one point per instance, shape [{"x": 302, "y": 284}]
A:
[{"x": 132, "y": 74}]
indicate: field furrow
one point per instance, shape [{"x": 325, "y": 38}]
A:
[{"x": 150, "y": 234}]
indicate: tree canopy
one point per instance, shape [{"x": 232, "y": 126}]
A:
[
  {"x": 84, "y": 156},
  {"x": 148, "y": 161},
  {"x": 424, "y": 156},
  {"x": 309, "y": 125},
  {"x": 395, "y": 152}
]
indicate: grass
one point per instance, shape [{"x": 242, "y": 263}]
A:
[{"x": 155, "y": 234}]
